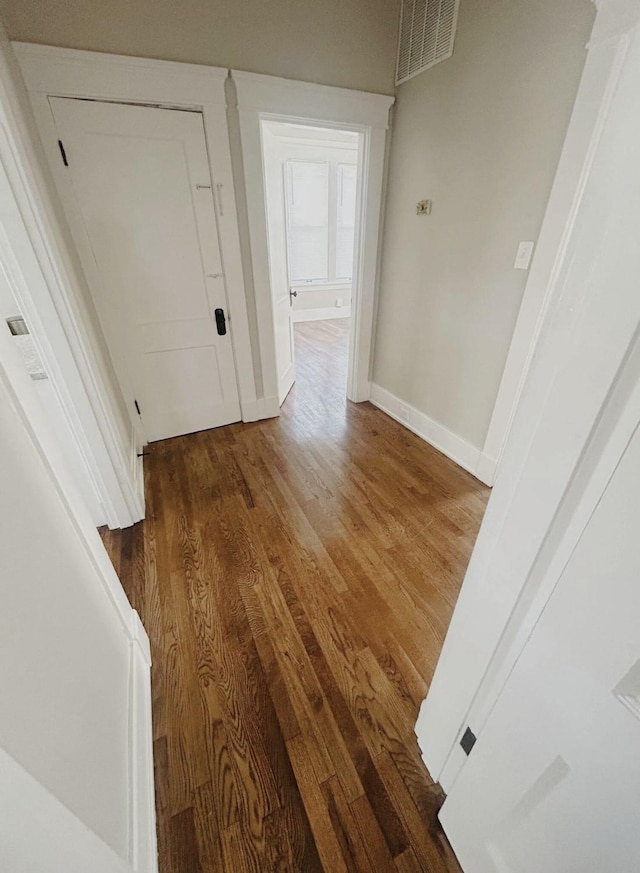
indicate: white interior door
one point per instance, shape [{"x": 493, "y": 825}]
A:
[
  {"x": 553, "y": 782},
  {"x": 310, "y": 186},
  {"x": 143, "y": 215},
  {"x": 279, "y": 277}
]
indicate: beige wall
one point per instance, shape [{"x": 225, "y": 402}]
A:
[
  {"x": 347, "y": 43},
  {"x": 480, "y": 135}
]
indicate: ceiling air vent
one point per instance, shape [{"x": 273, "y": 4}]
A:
[{"x": 427, "y": 32}]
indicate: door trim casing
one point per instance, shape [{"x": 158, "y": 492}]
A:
[
  {"x": 261, "y": 98},
  {"x": 49, "y": 71}
]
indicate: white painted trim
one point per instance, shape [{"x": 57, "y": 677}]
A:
[
  {"x": 337, "y": 107},
  {"x": 320, "y": 314},
  {"x": 286, "y": 381},
  {"x": 614, "y": 18},
  {"x": 51, "y": 71},
  {"x": 583, "y": 134},
  {"x": 486, "y": 469},
  {"x": 100, "y": 76},
  {"x": 263, "y": 407},
  {"x": 321, "y": 286},
  {"x": 143, "y": 851},
  {"x": 367, "y": 245},
  {"x": 268, "y": 98},
  {"x": 437, "y": 435}
]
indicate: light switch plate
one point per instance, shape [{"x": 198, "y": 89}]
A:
[{"x": 523, "y": 256}]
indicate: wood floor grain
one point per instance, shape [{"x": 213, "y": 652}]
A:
[{"x": 296, "y": 577}]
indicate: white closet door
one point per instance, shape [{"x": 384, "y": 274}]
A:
[
  {"x": 143, "y": 214},
  {"x": 552, "y": 783}
]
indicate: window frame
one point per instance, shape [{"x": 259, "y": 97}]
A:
[{"x": 334, "y": 162}]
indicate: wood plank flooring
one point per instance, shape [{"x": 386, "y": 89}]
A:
[{"x": 296, "y": 578}]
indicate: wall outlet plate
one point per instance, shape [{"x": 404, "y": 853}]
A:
[{"x": 523, "y": 255}]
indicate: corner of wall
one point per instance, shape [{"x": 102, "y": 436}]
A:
[{"x": 437, "y": 435}]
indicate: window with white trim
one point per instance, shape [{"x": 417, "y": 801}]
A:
[{"x": 320, "y": 215}]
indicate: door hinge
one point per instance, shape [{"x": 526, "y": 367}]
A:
[
  {"x": 468, "y": 740},
  {"x": 63, "y": 153},
  {"x": 137, "y": 407}
]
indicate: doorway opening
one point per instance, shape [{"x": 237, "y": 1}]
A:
[{"x": 311, "y": 191}]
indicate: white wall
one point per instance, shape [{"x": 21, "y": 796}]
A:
[
  {"x": 350, "y": 44},
  {"x": 65, "y": 659},
  {"x": 480, "y": 135}
]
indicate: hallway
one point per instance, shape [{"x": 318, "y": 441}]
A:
[{"x": 296, "y": 577}]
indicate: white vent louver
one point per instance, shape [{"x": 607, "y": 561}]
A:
[{"x": 427, "y": 32}]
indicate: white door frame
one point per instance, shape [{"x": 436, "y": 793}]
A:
[
  {"x": 539, "y": 507},
  {"x": 49, "y": 71},
  {"x": 41, "y": 274},
  {"x": 270, "y": 98}
]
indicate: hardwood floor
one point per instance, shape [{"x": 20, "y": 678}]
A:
[{"x": 296, "y": 578}]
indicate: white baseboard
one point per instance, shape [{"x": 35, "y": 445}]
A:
[
  {"x": 299, "y": 315},
  {"x": 437, "y": 435},
  {"x": 486, "y": 469},
  {"x": 143, "y": 849},
  {"x": 360, "y": 392},
  {"x": 264, "y": 407}
]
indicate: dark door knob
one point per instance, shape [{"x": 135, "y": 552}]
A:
[{"x": 221, "y": 323}]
